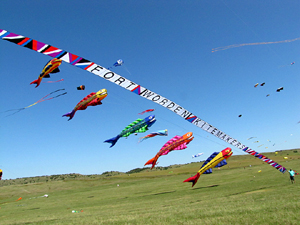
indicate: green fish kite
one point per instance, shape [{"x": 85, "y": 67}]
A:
[{"x": 138, "y": 126}]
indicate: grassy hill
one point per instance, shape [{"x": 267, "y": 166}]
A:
[{"x": 234, "y": 194}]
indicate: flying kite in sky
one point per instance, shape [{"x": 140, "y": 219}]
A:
[
  {"x": 258, "y": 43},
  {"x": 81, "y": 87},
  {"x": 292, "y": 63},
  {"x": 118, "y": 63},
  {"x": 55, "y": 81},
  {"x": 50, "y": 67},
  {"x": 153, "y": 134},
  {"x": 41, "y": 100},
  {"x": 279, "y": 89},
  {"x": 217, "y": 159},
  {"x": 176, "y": 143},
  {"x": 148, "y": 110},
  {"x": 250, "y": 138},
  {"x": 92, "y": 99},
  {"x": 137, "y": 126},
  {"x": 262, "y": 84},
  {"x": 197, "y": 155},
  {"x": 123, "y": 82}
]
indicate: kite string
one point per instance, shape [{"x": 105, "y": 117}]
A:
[{"x": 124, "y": 66}]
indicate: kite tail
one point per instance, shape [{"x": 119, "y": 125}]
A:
[
  {"x": 142, "y": 138},
  {"x": 70, "y": 114},
  {"x": 193, "y": 179},
  {"x": 113, "y": 140},
  {"x": 37, "y": 82},
  {"x": 152, "y": 161}
]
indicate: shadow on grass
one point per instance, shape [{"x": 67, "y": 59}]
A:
[
  {"x": 215, "y": 185},
  {"x": 43, "y": 221},
  {"x": 251, "y": 191},
  {"x": 166, "y": 192},
  {"x": 160, "y": 193}
]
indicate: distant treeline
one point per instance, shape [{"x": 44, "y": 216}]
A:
[
  {"x": 77, "y": 176},
  {"x": 69, "y": 177}
]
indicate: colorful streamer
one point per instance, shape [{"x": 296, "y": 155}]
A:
[{"x": 41, "y": 100}]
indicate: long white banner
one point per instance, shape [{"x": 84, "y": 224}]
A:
[{"x": 129, "y": 85}]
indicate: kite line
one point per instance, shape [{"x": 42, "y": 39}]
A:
[{"x": 100, "y": 71}]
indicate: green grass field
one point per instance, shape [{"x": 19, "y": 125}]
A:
[{"x": 234, "y": 194}]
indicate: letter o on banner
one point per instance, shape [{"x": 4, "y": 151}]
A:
[{"x": 106, "y": 75}]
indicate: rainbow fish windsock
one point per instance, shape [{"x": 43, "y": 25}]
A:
[{"x": 217, "y": 159}]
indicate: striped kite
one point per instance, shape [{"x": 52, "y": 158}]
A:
[{"x": 153, "y": 134}]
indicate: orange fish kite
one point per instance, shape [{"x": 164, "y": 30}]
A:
[{"x": 51, "y": 67}]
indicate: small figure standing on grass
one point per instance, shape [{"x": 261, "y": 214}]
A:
[{"x": 292, "y": 176}]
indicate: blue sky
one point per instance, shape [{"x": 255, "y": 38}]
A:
[{"x": 167, "y": 48}]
